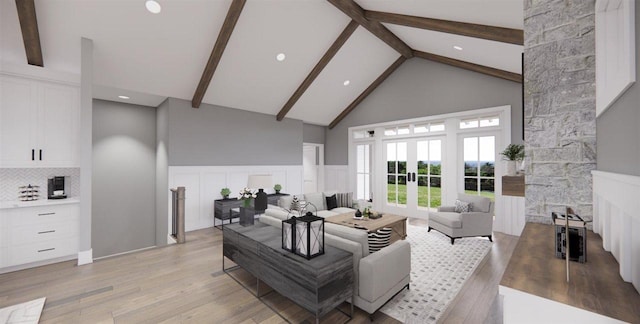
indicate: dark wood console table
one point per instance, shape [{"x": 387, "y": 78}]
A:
[
  {"x": 318, "y": 285},
  {"x": 222, "y": 207}
]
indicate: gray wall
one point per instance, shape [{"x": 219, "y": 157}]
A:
[
  {"x": 86, "y": 124},
  {"x": 215, "y": 135},
  {"x": 313, "y": 133},
  {"x": 422, "y": 88},
  {"x": 560, "y": 123},
  {"x": 162, "y": 173},
  {"x": 618, "y": 133},
  {"x": 124, "y": 172}
]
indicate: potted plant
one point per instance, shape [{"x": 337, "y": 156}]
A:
[
  {"x": 512, "y": 154},
  {"x": 225, "y": 192},
  {"x": 277, "y": 188},
  {"x": 246, "y": 195}
]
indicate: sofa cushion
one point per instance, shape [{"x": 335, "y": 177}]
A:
[
  {"x": 285, "y": 202},
  {"x": 316, "y": 199},
  {"x": 478, "y": 203},
  {"x": 449, "y": 219},
  {"x": 356, "y": 235},
  {"x": 324, "y": 213},
  {"x": 345, "y": 199},
  {"x": 331, "y": 202},
  {"x": 277, "y": 212},
  {"x": 462, "y": 206},
  {"x": 379, "y": 239}
]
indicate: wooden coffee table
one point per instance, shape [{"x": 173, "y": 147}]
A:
[{"x": 397, "y": 223}]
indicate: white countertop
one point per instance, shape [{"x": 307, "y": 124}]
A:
[{"x": 41, "y": 202}]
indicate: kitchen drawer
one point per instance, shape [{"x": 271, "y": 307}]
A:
[
  {"x": 41, "y": 214},
  {"x": 42, "y": 232},
  {"x": 27, "y": 253}
]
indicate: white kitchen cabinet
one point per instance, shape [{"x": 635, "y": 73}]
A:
[
  {"x": 38, "y": 234},
  {"x": 39, "y": 123}
]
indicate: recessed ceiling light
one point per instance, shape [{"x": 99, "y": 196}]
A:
[
  {"x": 123, "y": 97},
  {"x": 153, "y": 6},
  {"x": 346, "y": 82},
  {"x": 280, "y": 57},
  {"x": 458, "y": 48}
]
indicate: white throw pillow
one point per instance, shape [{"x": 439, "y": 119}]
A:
[{"x": 462, "y": 207}]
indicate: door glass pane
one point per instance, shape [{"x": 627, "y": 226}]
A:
[
  {"x": 367, "y": 156},
  {"x": 435, "y": 192},
  {"x": 487, "y": 149},
  {"x": 423, "y": 157},
  {"x": 420, "y": 129},
  {"x": 360, "y": 192},
  {"x": 471, "y": 123},
  {"x": 391, "y": 189},
  {"x": 471, "y": 186},
  {"x": 390, "y": 132},
  {"x": 435, "y": 156},
  {"x": 423, "y": 191},
  {"x": 360, "y": 158},
  {"x": 402, "y": 189},
  {"x": 403, "y": 130},
  {"x": 470, "y": 147},
  {"x": 402, "y": 158},
  {"x": 391, "y": 158},
  {"x": 487, "y": 188}
]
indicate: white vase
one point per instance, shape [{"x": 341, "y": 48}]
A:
[{"x": 511, "y": 168}]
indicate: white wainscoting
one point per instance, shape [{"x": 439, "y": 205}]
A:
[
  {"x": 336, "y": 177},
  {"x": 616, "y": 217},
  {"x": 203, "y": 183},
  {"x": 509, "y": 215}
]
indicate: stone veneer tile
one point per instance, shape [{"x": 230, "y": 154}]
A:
[{"x": 559, "y": 107}]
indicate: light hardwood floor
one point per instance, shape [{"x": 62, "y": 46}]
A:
[{"x": 184, "y": 284}]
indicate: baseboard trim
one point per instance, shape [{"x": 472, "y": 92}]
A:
[{"x": 85, "y": 257}]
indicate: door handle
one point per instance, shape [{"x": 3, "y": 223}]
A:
[
  {"x": 40, "y": 154},
  {"x": 33, "y": 154},
  {"x": 408, "y": 176},
  {"x": 413, "y": 177}
]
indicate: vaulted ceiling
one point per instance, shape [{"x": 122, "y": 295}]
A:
[{"x": 152, "y": 56}]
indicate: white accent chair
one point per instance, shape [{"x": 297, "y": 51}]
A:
[{"x": 477, "y": 222}]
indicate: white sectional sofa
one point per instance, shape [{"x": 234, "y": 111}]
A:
[{"x": 378, "y": 276}]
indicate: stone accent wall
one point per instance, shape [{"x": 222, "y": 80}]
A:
[{"x": 560, "y": 120}]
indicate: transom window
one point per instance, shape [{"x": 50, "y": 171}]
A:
[{"x": 480, "y": 122}]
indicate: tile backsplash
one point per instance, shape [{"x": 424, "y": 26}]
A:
[{"x": 11, "y": 179}]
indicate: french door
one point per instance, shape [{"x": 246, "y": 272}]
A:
[{"x": 413, "y": 176}]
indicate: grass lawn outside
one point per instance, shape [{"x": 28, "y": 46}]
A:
[{"x": 436, "y": 195}]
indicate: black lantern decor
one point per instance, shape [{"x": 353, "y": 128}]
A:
[
  {"x": 289, "y": 234},
  {"x": 304, "y": 235}
]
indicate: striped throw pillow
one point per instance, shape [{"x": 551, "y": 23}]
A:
[
  {"x": 379, "y": 239},
  {"x": 345, "y": 199}
]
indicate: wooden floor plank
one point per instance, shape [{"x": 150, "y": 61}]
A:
[{"x": 185, "y": 284}]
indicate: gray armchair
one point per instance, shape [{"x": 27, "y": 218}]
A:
[{"x": 477, "y": 222}]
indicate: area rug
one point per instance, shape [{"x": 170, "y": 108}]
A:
[
  {"x": 438, "y": 272},
  {"x": 25, "y": 313}
]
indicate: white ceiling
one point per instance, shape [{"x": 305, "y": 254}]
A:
[{"x": 150, "y": 57}]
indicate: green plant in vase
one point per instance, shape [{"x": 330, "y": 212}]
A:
[
  {"x": 225, "y": 192},
  {"x": 512, "y": 154},
  {"x": 277, "y": 188},
  {"x": 246, "y": 195}
]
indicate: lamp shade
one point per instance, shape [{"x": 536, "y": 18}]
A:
[{"x": 260, "y": 181}]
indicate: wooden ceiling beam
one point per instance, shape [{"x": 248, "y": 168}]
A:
[
  {"x": 30, "y": 33},
  {"x": 368, "y": 91},
  {"x": 515, "y": 77},
  {"x": 498, "y": 34},
  {"x": 218, "y": 49},
  {"x": 328, "y": 55},
  {"x": 353, "y": 10}
]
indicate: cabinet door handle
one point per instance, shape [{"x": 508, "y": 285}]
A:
[
  {"x": 33, "y": 154},
  {"x": 40, "y": 154},
  {"x": 46, "y": 214},
  {"x": 45, "y": 232},
  {"x": 45, "y": 250}
]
